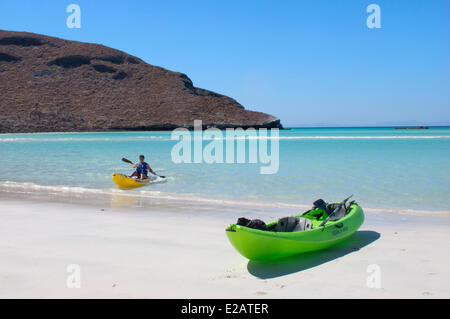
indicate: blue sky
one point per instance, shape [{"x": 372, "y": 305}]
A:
[{"x": 305, "y": 62}]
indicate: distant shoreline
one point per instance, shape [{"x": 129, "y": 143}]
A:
[
  {"x": 374, "y": 126},
  {"x": 222, "y": 129}
]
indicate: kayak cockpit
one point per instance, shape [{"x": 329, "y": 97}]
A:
[{"x": 319, "y": 216}]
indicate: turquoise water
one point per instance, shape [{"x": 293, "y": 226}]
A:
[{"x": 383, "y": 167}]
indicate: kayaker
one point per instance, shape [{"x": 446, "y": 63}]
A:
[{"x": 142, "y": 168}]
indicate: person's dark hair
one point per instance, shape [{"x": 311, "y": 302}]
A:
[{"x": 141, "y": 156}]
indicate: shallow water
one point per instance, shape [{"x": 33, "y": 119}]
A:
[{"x": 383, "y": 167}]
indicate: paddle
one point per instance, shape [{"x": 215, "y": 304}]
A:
[
  {"x": 335, "y": 210},
  {"x": 130, "y": 162}
]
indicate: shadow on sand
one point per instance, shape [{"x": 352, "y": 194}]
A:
[{"x": 286, "y": 266}]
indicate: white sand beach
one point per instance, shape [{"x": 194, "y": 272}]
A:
[
  {"x": 133, "y": 136},
  {"x": 180, "y": 250}
]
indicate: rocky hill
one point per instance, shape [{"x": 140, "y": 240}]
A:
[{"x": 50, "y": 85}]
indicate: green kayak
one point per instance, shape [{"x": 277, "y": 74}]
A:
[{"x": 260, "y": 245}]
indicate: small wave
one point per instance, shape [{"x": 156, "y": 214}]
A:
[
  {"x": 158, "y": 179},
  {"x": 12, "y": 186},
  {"x": 30, "y": 188}
]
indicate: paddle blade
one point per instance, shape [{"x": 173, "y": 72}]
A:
[{"x": 127, "y": 160}]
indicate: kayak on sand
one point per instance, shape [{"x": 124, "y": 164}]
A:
[
  {"x": 124, "y": 181},
  {"x": 321, "y": 233}
]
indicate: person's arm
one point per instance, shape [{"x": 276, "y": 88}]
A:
[
  {"x": 151, "y": 170},
  {"x": 136, "y": 165}
]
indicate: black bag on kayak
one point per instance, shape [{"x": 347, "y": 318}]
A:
[
  {"x": 320, "y": 203},
  {"x": 254, "y": 223}
]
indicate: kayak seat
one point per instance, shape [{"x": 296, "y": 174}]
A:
[
  {"x": 341, "y": 212},
  {"x": 292, "y": 224}
]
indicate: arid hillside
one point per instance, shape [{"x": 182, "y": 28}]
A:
[{"x": 50, "y": 85}]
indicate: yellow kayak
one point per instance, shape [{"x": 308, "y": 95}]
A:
[{"x": 124, "y": 181}]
